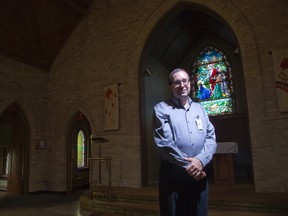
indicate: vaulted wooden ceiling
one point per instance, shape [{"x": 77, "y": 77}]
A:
[{"x": 34, "y": 31}]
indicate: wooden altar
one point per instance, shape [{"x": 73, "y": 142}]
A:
[{"x": 223, "y": 163}]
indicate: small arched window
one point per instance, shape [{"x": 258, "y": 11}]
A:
[
  {"x": 211, "y": 82},
  {"x": 81, "y": 150}
]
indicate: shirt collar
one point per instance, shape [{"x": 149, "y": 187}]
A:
[{"x": 177, "y": 102}]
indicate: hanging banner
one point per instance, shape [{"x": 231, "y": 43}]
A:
[
  {"x": 280, "y": 61},
  {"x": 111, "y": 107}
]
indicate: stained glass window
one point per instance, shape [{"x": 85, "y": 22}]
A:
[
  {"x": 212, "y": 83},
  {"x": 81, "y": 150}
]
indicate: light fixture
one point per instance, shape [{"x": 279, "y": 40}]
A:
[
  {"x": 236, "y": 51},
  {"x": 148, "y": 72}
]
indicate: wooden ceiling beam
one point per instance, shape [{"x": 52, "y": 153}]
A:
[{"x": 77, "y": 7}]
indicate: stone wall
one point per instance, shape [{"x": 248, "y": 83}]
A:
[
  {"x": 106, "y": 48},
  {"x": 27, "y": 87}
]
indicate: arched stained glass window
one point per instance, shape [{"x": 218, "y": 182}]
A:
[
  {"x": 81, "y": 150},
  {"x": 211, "y": 82}
]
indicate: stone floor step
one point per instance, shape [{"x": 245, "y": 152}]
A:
[
  {"x": 148, "y": 208},
  {"x": 144, "y": 201}
]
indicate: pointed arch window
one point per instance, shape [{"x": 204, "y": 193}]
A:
[
  {"x": 212, "y": 83},
  {"x": 81, "y": 150}
]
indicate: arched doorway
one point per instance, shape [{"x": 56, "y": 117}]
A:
[
  {"x": 174, "y": 42},
  {"x": 14, "y": 150},
  {"x": 79, "y": 134}
]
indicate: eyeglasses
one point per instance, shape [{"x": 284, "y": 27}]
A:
[{"x": 178, "y": 82}]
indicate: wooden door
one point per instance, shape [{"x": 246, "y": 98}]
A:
[{"x": 15, "y": 174}]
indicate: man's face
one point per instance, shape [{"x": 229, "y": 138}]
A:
[{"x": 180, "y": 86}]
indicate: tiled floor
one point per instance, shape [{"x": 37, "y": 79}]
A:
[{"x": 68, "y": 205}]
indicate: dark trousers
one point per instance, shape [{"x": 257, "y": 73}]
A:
[{"x": 180, "y": 194}]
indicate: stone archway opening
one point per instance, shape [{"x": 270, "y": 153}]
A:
[{"x": 14, "y": 150}]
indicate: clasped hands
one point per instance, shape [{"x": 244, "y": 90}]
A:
[{"x": 195, "y": 169}]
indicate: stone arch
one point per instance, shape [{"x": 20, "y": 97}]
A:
[
  {"x": 247, "y": 45},
  {"x": 36, "y": 129},
  {"x": 76, "y": 108},
  {"x": 83, "y": 108},
  {"x": 14, "y": 120}
]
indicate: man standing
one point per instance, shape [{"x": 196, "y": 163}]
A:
[{"x": 185, "y": 140}]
